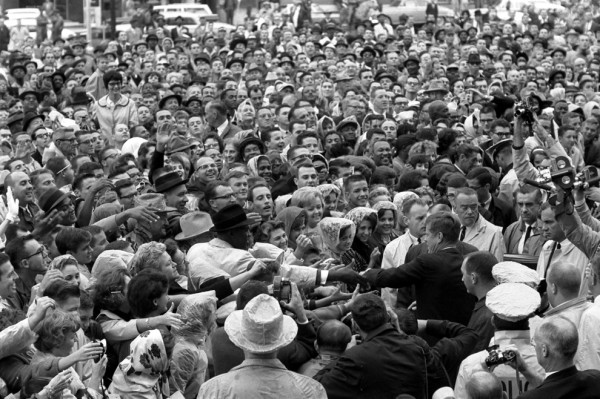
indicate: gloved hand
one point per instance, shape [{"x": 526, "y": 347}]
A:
[{"x": 13, "y": 207}]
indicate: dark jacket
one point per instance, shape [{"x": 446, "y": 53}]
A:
[
  {"x": 499, "y": 213},
  {"x": 227, "y": 356},
  {"x": 569, "y": 383},
  {"x": 385, "y": 365},
  {"x": 285, "y": 185},
  {"x": 440, "y": 292},
  {"x": 481, "y": 323}
]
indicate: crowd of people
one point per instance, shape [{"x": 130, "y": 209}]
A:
[{"x": 346, "y": 208}]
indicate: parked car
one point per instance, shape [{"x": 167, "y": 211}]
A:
[
  {"x": 413, "y": 9},
  {"x": 318, "y": 9}
]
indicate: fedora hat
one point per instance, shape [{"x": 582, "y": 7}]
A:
[
  {"x": 154, "y": 200},
  {"x": 436, "y": 85},
  {"x": 499, "y": 146},
  {"x": 168, "y": 181},
  {"x": 35, "y": 93},
  {"x": 177, "y": 143},
  {"x": 51, "y": 199},
  {"x": 230, "y": 217},
  {"x": 162, "y": 102},
  {"x": 194, "y": 224},
  {"x": 261, "y": 327}
]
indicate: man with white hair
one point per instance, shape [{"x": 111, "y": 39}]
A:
[{"x": 555, "y": 342}]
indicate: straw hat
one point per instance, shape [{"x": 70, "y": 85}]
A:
[{"x": 261, "y": 327}]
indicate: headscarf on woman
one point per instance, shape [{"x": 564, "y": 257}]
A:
[
  {"x": 378, "y": 238},
  {"x": 253, "y": 164},
  {"x": 320, "y": 129},
  {"x": 362, "y": 251},
  {"x": 589, "y": 107},
  {"x": 242, "y": 121},
  {"x": 330, "y": 229},
  {"x": 143, "y": 374},
  {"x": 61, "y": 261}
]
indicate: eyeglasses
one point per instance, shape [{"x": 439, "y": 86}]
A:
[
  {"x": 41, "y": 136},
  {"x": 129, "y": 196},
  {"x": 70, "y": 141},
  {"x": 42, "y": 250},
  {"x": 63, "y": 169}
]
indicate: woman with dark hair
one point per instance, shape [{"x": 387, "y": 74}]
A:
[
  {"x": 446, "y": 144},
  {"x": 294, "y": 220},
  {"x": 249, "y": 148},
  {"x": 115, "y": 108},
  {"x": 387, "y": 222},
  {"x": 362, "y": 252}
]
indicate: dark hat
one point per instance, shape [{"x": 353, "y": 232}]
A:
[
  {"x": 541, "y": 100},
  {"x": 202, "y": 58},
  {"x": 151, "y": 36},
  {"x": 558, "y": 50},
  {"x": 68, "y": 53},
  {"x": 154, "y": 200},
  {"x": 187, "y": 102},
  {"x": 35, "y": 93},
  {"x": 237, "y": 40},
  {"x": 345, "y": 122},
  {"x": 168, "y": 181},
  {"x": 51, "y": 199},
  {"x": 368, "y": 49},
  {"x": 14, "y": 118},
  {"x": 436, "y": 85},
  {"x": 235, "y": 60},
  {"x": 164, "y": 100},
  {"x": 31, "y": 62},
  {"x": 18, "y": 66},
  {"x": 177, "y": 143},
  {"x": 252, "y": 140},
  {"x": 499, "y": 146},
  {"x": 58, "y": 73},
  {"x": 139, "y": 43},
  {"x": 554, "y": 75},
  {"x": 412, "y": 58},
  {"x": 384, "y": 74},
  {"x": 30, "y": 117},
  {"x": 79, "y": 96},
  {"x": 522, "y": 55},
  {"x": 229, "y": 218},
  {"x": 474, "y": 59}
]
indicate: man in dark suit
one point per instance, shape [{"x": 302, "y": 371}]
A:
[
  {"x": 555, "y": 342},
  {"x": 440, "y": 292},
  {"x": 492, "y": 208},
  {"x": 386, "y": 364}
]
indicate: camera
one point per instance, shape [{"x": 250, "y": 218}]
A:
[
  {"x": 525, "y": 111},
  {"x": 282, "y": 289},
  {"x": 563, "y": 175},
  {"x": 103, "y": 343},
  {"x": 497, "y": 356}
]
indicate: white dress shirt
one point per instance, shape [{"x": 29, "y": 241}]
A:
[{"x": 394, "y": 255}]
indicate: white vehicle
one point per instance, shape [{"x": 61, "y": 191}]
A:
[
  {"x": 186, "y": 9},
  {"x": 22, "y": 13},
  {"x": 28, "y": 18}
]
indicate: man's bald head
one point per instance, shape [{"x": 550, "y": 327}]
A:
[
  {"x": 567, "y": 279},
  {"x": 484, "y": 385},
  {"x": 333, "y": 335}
]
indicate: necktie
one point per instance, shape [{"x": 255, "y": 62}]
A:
[
  {"x": 528, "y": 233},
  {"x": 463, "y": 231},
  {"x": 419, "y": 240}
]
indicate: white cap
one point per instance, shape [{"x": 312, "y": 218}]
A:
[
  {"x": 512, "y": 301},
  {"x": 443, "y": 393},
  {"x": 513, "y": 272}
]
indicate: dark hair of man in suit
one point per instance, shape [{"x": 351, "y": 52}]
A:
[
  {"x": 481, "y": 263},
  {"x": 445, "y": 223},
  {"x": 484, "y": 385},
  {"x": 369, "y": 312},
  {"x": 248, "y": 291}
]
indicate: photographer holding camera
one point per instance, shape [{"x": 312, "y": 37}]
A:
[{"x": 512, "y": 305}]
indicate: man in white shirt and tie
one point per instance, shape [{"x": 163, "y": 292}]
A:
[
  {"x": 415, "y": 215},
  {"x": 475, "y": 230}
]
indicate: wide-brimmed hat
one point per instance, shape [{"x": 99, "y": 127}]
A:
[
  {"x": 26, "y": 92},
  {"x": 235, "y": 60},
  {"x": 18, "y": 66},
  {"x": 252, "y": 140},
  {"x": 168, "y": 97},
  {"x": 154, "y": 200},
  {"x": 368, "y": 49},
  {"x": 499, "y": 146},
  {"x": 168, "y": 181},
  {"x": 177, "y": 143},
  {"x": 261, "y": 327},
  {"x": 412, "y": 58},
  {"x": 14, "y": 118},
  {"x": 237, "y": 40},
  {"x": 79, "y": 96},
  {"x": 30, "y": 117},
  {"x": 51, "y": 199},
  {"x": 230, "y": 217},
  {"x": 474, "y": 59},
  {"x": 194, "y": 224},
  {"x": 436, "y": 85}
]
